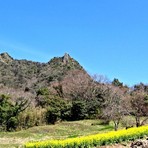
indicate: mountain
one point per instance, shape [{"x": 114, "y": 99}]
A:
[{"x": 22, "y": 74}]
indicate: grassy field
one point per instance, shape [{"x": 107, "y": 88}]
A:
[{"x": 59, "y": 131}]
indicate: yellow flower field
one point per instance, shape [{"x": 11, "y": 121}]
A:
[{"x": 93, "y": 140}]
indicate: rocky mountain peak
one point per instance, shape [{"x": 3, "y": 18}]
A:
[
  {"x": 66, "y": 58},
  {"x": 5, "y": 58},
  {"x": 23, "y": 73}
]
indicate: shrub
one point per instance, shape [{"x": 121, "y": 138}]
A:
[
  {"x": 32, "y": 117},
  {"x": 12, "y": 123}
]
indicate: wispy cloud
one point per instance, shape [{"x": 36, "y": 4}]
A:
[{"x": 36, "y": 54}]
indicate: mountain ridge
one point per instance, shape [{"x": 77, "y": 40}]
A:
[{"x": 34, "y": 75}]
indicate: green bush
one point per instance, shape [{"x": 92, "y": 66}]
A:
[{"x": 12, "y": 123}]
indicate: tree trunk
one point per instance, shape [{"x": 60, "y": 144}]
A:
[
  {"x": 137, "y": 121},
  {"x": 116, "y": 125}
]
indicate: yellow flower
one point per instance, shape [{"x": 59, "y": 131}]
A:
[{"x": 92, "y": 140}]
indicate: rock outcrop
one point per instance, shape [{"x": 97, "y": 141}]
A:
[
  {"x": 140, "y": 144},
  {"x": 6, "y": 58},
  {"x": 66, "y": 58}
]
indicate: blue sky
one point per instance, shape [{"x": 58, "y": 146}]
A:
[{"x": 108, "y": 37}]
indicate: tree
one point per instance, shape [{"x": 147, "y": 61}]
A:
[
  {"x": 116, "y": 82},
  {"x": 87, "y": 94},
  {"x": 79, "y": 109},
  {"x": 139, "y": 106},
  {"x": 115, "y": 106},
  {"x": 77, "y": 84},
  {"x": 9, "y": 111},
  {"x": 57, "y": 109},
  {"x": 42, "y": 97},
  {"x": 101, "y": 79},
  {"x": 141, "y": 87}
]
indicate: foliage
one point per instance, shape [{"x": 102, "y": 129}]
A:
[
  {"x": 9, "y": 112},
  {"x": 85, "y": 109},
  {"x": 31, "y": 117},
  {"x": 57, "y": 109},
  {"x": 94, "y": 108},
  {"x": 78, "y": 110},
  {"x": 116, "y": 82},
  {"x": 43, "y": 91}
]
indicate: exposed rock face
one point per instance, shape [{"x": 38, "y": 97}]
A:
[
  {"x": 66, "y": 58},
  {"x": 5, "y": 58},
  {"x": 140, "y": 144}
]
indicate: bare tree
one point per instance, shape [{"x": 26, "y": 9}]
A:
[
  {"x": 76, "y": 84},
  {"x": 115, "y": 106},
  {"x": 139, "y": 107},
  {"x": 101, "y": 79}
]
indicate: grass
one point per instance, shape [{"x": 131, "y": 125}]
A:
[
  {"x": 59, "y": 131},
  {"x": 100, "y": 139}
]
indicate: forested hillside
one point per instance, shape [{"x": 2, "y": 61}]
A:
[
  {"x": 23, "y": 73},
  {"x": 33, "y": 94}
]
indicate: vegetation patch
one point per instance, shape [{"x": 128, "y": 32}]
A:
[{"x": 93, "y": 140}]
